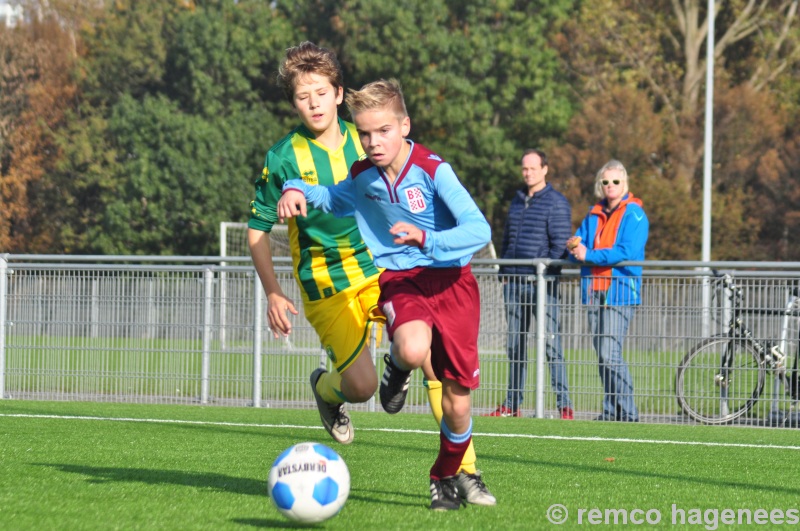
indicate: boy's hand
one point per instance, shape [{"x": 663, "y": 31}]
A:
[
  {"x": 278, "y": 308},
  {"x": 291, "y": 203},
  {"x": 407, "y": 234}
]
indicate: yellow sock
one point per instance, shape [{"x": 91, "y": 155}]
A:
[
  {"x": 434, "y": 390},
  {"x": 329, "y": 387}
]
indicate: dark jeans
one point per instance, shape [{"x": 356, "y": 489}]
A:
[
  {"x": 609, "y": 325},
  {"x": 520, "y": 301}
]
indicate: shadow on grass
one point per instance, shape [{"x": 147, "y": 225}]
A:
[
  {"x": 369, "y": 496},
  {"x": 267, "y": 523},
  {"x": 422, "y": 501},
  {"x": 220, "y": 482}
]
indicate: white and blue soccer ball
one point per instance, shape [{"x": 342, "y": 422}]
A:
[{"x": 309, "y": 482}]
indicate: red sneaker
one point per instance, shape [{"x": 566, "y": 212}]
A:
[
  {"x": 503, "y": 411},
  {"x": 567, "y": 413}
]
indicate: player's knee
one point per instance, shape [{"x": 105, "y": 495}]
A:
[
  {"x": 361, "y": 395},
  {"x": 456, "y": 402},
  {"x": 362, "y": 389},
  {"x": 460, "y": 409},
  {"x": 412, "y": 353}
]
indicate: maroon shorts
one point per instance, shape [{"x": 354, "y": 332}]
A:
[{"x": 448, "y": 300}]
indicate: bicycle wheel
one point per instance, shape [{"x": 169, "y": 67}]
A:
[{"x": 719, "y": 380}]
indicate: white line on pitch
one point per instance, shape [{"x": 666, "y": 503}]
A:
[{"x": 390, "y": 430}]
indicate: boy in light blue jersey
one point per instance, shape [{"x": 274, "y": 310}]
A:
[
  {"x": 422, "y": 226},
  {"x": 426, "y": 193}
]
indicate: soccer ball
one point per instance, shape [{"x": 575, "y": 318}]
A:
[{"x": 309, "y": 482}]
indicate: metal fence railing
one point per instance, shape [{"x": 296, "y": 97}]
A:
[{"x": 185, "y": 330}]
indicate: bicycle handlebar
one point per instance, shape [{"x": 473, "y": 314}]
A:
[{"x": 737, "y": 295}]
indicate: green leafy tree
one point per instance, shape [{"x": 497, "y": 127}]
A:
[
  {"x": 480, "y": 79},
  {"x": 126, "y": 49},
  {"x": 167, "y": 145},
  {"x": 223, "y": 57},
  {"x": 84, "y": 179},
  {"x": 175, "y": 183},
  {"x": 176, "y": 103}
]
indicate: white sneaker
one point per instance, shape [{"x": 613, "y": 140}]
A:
[
  {"x": 472, "y": 489},
  {"x": 334, "y": 417}
]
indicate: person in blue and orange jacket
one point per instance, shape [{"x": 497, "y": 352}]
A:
[{"x": 615, "y": 230}]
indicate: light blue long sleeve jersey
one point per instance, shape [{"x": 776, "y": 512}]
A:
[{"x": 426, "y": 193}]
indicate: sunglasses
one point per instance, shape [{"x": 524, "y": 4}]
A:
[{"x": 606, "y": 183}]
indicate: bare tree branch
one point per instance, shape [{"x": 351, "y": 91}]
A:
[
  {"x": 763, "y": 75},
  {"x": 681, "y": 14}
]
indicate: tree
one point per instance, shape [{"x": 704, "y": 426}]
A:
[
  {"x": 184, "y": 92},
  {"x": 36, "y": 90},
  {"x": 174, "y": 182},
  {"x": 476, "y": 91},
  {"x": 657, "y": 48},
  {"x": 166, "y": 146},
  {"x": 784, "y": 232},
  {"x": 126, "y": 49},
  {"x": 222, "y": 58}
]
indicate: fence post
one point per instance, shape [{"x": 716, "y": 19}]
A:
[
  {"x": 705, "y": 327},
  {"x": 258, "y": 309},
  {"x": 727, "y": 307},
  {"x": 208, "y": 319},
  {"x": 3, "y": 299},
  {"x": 223, "y": 308},
  {"x": 95, "y": 308},
  {"x": 541, "y": 340}
]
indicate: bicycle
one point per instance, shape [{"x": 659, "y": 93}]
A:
[{"x": 722, "y": 377}]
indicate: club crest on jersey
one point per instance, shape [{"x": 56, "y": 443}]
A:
[
  {"x": 310, "y": 176},
  {"x": 415, "y": 199},
  {"x": 331, "y": 354}
]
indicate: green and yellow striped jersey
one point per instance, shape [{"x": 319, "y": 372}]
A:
[{"x": 328, "y": 253}]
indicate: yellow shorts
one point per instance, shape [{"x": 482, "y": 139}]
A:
[{"x": 343, "y": 321}]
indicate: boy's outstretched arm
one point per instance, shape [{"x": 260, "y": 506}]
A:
[
  {"x": 338, "y": 200},
  {"x": 291, "y": 203},
  {"x": 278, "y": 304}
]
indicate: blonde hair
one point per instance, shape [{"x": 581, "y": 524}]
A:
[
  {"x": 379, "y": 94},
  {"x": 610, "y": 165},
  {"x": 308, "y": 58}
]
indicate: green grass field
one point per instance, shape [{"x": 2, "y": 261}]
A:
[{"x": 71, "y": 465}]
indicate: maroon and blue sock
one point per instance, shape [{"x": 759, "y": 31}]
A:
[{"x": 452, "y": 447}]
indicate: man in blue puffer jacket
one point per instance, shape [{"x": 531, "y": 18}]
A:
[{"x": 539, "y": 224}]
